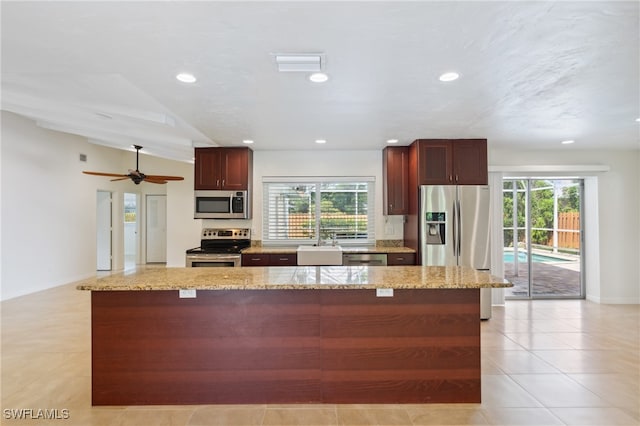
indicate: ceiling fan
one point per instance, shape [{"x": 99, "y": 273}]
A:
[{"x": 136, "y": 175}]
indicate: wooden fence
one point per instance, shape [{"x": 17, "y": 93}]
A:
[
  {"x": 570, "y": 238},
  {"x": 302, "y": 225}
]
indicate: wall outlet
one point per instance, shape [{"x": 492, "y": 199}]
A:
[
  {"x": 384, "y": 292},
  {"x": 187, "y": 294}
]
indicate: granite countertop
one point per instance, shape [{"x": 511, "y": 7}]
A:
[
  {"x": 345, "y": 249},
  {"x": 298, "y": 278}
]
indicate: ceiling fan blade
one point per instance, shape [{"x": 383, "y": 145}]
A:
[
  {"x": 159, "y": 177},
  {"x": 160, "y": 182},
  {"x": 106, "y": 174},
  {"x": 122, "y": 178}
]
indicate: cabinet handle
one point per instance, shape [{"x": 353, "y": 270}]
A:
[
  {"x": 256, "y": 258},
  {"x": 399, "y": 258},
  {"x": 222, "y": 182},
  {"x": 284, "y": 258},
  {"x": 218, "y": 182},
  {"x": 456, "y": 178},
  {"x": 450, "y": 178}
]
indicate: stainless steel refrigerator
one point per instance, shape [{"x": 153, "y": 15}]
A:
[{"x": 454, "y": 230}]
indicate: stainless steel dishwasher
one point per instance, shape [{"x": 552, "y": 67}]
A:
[{"x": 364, "y": 259}]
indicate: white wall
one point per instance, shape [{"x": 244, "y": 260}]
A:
[
  {"x": 618, "y": 209},
  {"x": 48, "y": 218},
  {"x": 323, "y": 163}
]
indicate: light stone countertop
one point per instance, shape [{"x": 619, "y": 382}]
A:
[
  {"x": 297, "y": 278},
  {"x": 345, "y": 249}
]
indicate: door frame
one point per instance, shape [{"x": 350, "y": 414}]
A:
[{"x": 528, "y": 232}]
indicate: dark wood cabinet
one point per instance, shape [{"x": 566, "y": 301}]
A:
[
  {"x": 395, "y": 173},
  {"x": 283, "y": 259},
  {"x": 264, "y": 259},
  {"x": 452, "y": 162},
  {"x": 223, "y": 168},
  {"x": 401, "y": 259},
  {"x": 255, "y": 260}
]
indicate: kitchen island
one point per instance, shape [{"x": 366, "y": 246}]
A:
[{"x": 334, "y": 334}]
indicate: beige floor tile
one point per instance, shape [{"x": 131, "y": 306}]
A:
[
  {"x": 558, "y": 390},
  {"x": 587, "y": 416},
  {"x": 154, "y": 416},
  {"x": 619, "y": 390},
  {"x": 447, "y": 416},
  {"x": 521, "y": 417},
  {"x": 539, "y": 341},
  {"x": 318, "y": 416},
  {"x": 503, "y": 391},
  {"x": 519, "y": 362},
  {"x": 370, "y": 416},
  {"x": 585, "y": 361},
  {"x": 228, "y": 415}
]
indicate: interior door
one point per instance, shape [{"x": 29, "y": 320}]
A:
[
  {"x": 156, "y": 221},
  {"x": 103, "y": 231}
]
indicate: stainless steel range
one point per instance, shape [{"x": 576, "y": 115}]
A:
[{"x": 219, "y": 247}]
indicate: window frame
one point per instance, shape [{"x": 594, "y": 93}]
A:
[{"x": 318, "y": 181}]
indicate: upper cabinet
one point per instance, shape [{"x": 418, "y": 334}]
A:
[
  {"x": 223, "y": 168},
  {"x": 395, "y": 173},
  {"x": 452, "y": 161}
]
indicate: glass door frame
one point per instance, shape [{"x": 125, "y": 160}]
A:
[{"x": 528, "y": 232}]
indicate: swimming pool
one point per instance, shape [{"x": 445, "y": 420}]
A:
[{"x": 522, "y": 257}]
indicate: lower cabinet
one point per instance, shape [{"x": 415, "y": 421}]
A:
[
  {"x": 287, "y": 259},
  {"x": 401, "y": 259}
]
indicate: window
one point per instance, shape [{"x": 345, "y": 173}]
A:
[{"x": 302, "y": 210}]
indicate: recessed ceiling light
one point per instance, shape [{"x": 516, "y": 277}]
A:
[
  {"x": 186, "y": 77},
  {"x": 318, "y": 77},
  {"x": 567, "y": 142},
  {"x": 449, "y": 76},
  {"x": 638, "y": 119},
  {"x": 321, "y": 141},
  {"x": 392, "y": 140},
  {"x": 247, "y": 141}
]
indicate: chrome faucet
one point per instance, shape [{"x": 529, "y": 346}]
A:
[{"x": 333, "y": 239}]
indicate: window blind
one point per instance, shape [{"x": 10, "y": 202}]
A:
[{"x": 302, "y": 211}]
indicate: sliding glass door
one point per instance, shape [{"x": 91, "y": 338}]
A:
[{"x": 543, "y": 237}]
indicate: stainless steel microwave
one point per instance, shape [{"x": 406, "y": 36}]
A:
[{"x": 222, "y": 205}]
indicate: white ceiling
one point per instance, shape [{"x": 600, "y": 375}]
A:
[{"x": 532, "y": 73}]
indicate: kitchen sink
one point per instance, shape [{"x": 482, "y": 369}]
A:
[{"x": 319, "y": 255}]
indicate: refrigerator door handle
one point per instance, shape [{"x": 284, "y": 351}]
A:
[
  {"x": 459, "y": 226},
  {"x": 454, "y": 223}
]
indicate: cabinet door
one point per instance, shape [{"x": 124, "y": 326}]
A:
[
  {"x": 283, "y": 259},
  {"x": 207, "y": 168},
  {"x": 255, "y": 260},
  {"x": 234, "y": 165},
  {"x": 435, "y": 162},
  {"x": 395, "y": 176},
  {"x": 470, "y": 162},
  {"x": 401, "y": 259}
]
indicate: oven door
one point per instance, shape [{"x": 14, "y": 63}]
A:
[{"x": 209, "y": 260}]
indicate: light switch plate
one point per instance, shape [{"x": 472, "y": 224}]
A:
[
  {"x": 188, "y": 294},
  {"x": 384, "y": 292}
]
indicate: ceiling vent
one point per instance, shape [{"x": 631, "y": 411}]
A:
[{"x": 299, "y": 62}]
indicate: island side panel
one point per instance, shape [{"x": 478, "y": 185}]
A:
[
  {"x": 253, "y": 346},
  {"x": 419, "y": 346}
]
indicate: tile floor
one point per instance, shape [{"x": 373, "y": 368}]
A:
[{"x": 564, "y": 362}]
